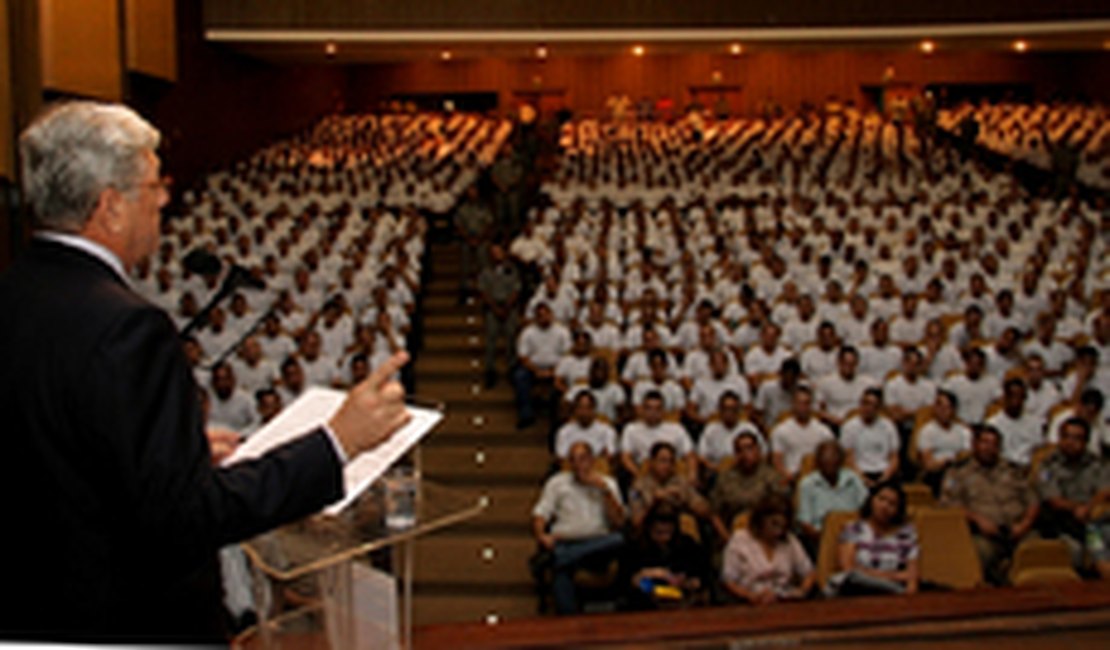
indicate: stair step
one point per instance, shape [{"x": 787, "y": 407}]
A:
[
  {"x": 490, "y": 561},
  {"x": 464, "y": 607},
  {"x": 479, "y": 463}
]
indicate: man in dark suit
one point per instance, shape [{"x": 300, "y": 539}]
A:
[{"x": 113, "y": 509}]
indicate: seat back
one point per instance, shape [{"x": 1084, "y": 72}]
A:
[
  {"x": 948, "y": 555},
  {"x": 1037, "y": 555},
  {"x": 918, "y": 495},
  {"x": 827, "y": 559}
]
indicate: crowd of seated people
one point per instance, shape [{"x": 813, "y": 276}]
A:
[
  {"x": 332, "y": 223},
  {"x": 755, "y": 325},
  {"x": 1077, "y": 135}
]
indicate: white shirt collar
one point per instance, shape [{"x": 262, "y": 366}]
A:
[{"x": 98, "y": 251}]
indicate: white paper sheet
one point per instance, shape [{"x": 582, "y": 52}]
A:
[{"x": 312, "y": 409}]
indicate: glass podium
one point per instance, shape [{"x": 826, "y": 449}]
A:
[{"x": 315, "y": 581}]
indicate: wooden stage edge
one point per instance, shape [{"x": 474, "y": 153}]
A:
[{"x": 740, "y": 620}]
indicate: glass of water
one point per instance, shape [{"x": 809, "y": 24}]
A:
[{"x": 400, "y": 497}]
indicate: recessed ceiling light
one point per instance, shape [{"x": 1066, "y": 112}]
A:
[
  {"x": 541, "y": 52},
  {"x": 928, "y": 47},
  {"x": 330, "y": 49},
  {"x": 735, "y": 49},
  {"x": 637, "y": 50},
  {"x": 445, "y": 55},
  {"x": 1020, "y": 46}
]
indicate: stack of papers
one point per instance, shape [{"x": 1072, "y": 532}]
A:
[{"x": 312, "y": 409}]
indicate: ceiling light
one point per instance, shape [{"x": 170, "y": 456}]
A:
[
  {"x": 735, "y": 49},
  {"x": 928, "y": 47},
  {"x": 330, "y": 49},
  {"x": 445, "y": 55},
  {"x": 1020, "y": 46},
  {"x": 637, "y": 50},
  {"x": 541, "y": 52}
]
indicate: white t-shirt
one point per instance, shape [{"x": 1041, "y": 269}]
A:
[
  {"x": 794, "y": 440},
  {"x": 638, "y": 438},
  {"x": 974, "y": 396},
  {"x": 706, "y": 392},
  {"x": 816, "y": 363},
  {"x": 578, "y": 510},
  {"x": 601, "y": 437},
  {"x": 870, "y": 444},
  {"x": 237, "y": 411},
  {"x": 572, "y": 369},
  {"x": 879, "y": 362},
  {"x": 610, "y": 398},
  {"x": 760, "y": 362},
  {"x": 907, "y": 395},
  {"x": 943, "y": 443},
  {"x": 1020, "y": 436},
  {"x": 716, "y": 442},
  {"x": 838, "y": 395},
  {"x": 674, "y": 398},
  {"x": 544, "y": 347}
]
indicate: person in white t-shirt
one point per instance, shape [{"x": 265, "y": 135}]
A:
[
  {"x": 639, "y": 436},
  {"x": 797, "y": 435},
  {"x": 975, "y": 389},
  {"x": 585, "y": 427},
  {"x": 775, "y": 398},
  {"x": 908, "y": 392},
  {"x": 1042, "y": 394},
  {"x": 821, "y": 359},
  {"x": 1022, "y": 431},
  {"x": 871, "y": 440},
  {"x": 717, "y": 440},
  {"x": 840, "y": 392},
  {"x": 941, "y": 440},
  {"x": 575, "y": 366},
  {"x": 879, "y": 357},
  {"x": 608, "y": 394},
  {"x": 228, "y": 404},
  {"x": 1091, "y": 409},
  {"x": 674, "y": 397},
  {"x": 706, "y": 392},
  {"x": 766, "y": 358},
  {"x": 539, "y": 349}
]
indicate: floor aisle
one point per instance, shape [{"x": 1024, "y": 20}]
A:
[{"x": 478, "y": 569}]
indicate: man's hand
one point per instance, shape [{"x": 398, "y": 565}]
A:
[
  {"x": 221, "y": 442},
  {"x": 547, "y": 540},
  {"x": 373, "y": 410}
]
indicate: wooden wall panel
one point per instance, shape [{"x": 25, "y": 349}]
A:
[
  {"x": 785, "y": 77},
  {"x": 152, "y": 38},
  {"x": 81, "y": 47},
  {"x": 7, "y": 118}
]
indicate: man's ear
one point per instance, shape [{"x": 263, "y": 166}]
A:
[{"x": 107, "y": 215}]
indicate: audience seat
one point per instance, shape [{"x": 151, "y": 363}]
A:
[
  {"x": 1039, "y": 561},
  {"x": 948, "y": 556},
  {"x": 918, "y": 495},
  {"x": 827, "y": 559}
]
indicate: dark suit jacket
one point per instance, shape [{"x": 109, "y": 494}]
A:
[{"x": 112, "y": 510}]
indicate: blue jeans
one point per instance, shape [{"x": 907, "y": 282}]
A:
[
  {"x": 569, "y": 557},
  {"x": 523, "y": 381}
]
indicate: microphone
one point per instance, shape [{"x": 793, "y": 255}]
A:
[{"x": 202, "y": 262}]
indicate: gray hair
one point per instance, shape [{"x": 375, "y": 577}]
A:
[{"x": 74, "y": 151}]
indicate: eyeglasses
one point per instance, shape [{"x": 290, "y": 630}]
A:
[{"x": 163, "y": 183}]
